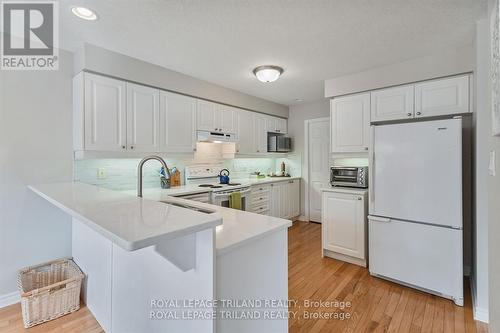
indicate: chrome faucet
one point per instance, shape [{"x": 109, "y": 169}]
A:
[{"x": 139, "y": 171}]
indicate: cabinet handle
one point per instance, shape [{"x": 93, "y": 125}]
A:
[
  {"x": 123, "y": 147},
  {"x": 409, "y": 114},
  {"x": 419, "y": 113},
  {"x": 258, "y": 151},
  {"x": 260, "y": 198},
  {"x": 366, "y": 148},
  {"x": 194, "y": 149},
  {"x": 359, "y": 198},
  {"x": 131, "y": 147}
]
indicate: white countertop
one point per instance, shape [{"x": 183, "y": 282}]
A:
[
  {"x": 194, "y": 189},
  {"x": 238, "y": 227},
  {"x": 349, "y": 190},
  {"x": 130, "y": 222}
]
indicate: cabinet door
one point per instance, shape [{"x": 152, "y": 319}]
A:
[
  {"x": 105, "y": 123},
  {"x": 260, "y": 128},
  {"x": 206, "y": 116},
  {"x": 226, "y": 118},
  {"x": 350, "y": 123},
  {"x": 281, "y": 125},
  {"x": 246, "y": 132},
  {"x": 177, "y": 123},
  {"x": 344, "y": 224},
  {"x": 392, "y": 103},
  {"x": 294, "y": 190},
  {"x": 143, "y": 123},
  {"x": 284, "y": 199},
  {"x": 276, "y": 200},
  {"x": 442, "y": 97}
]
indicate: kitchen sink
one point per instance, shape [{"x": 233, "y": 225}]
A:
[{"x": 182, "y": 205}]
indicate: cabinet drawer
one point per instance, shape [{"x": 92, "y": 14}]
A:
[
  {"x": 261, "y": 209},
  {"x": 258, "y": 199},
  {"x": 261, "y": 190}
]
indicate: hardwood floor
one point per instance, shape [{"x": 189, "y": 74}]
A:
[{"x": 376, "y": 305}]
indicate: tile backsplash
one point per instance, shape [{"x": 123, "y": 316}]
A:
[{"x": 121, "y": 173}]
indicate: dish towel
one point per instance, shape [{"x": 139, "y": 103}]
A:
[{"x": 235, "y": 200}]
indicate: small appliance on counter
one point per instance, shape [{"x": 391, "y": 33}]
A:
[
  {"x": 224, "y": 176},
  {"x": 349, "y": 176}
]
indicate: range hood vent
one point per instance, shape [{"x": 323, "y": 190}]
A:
[{"x": 216, "y": 137}]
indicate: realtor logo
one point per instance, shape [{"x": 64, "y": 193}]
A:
[{"x": 30, "y": 35}]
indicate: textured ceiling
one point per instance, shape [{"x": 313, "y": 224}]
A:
[{"x": 222, "y": 41}]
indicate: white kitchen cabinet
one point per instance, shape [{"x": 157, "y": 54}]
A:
[
  {"x": 350, "y": 123},
  {"x": 276, "y": 125},
  {"x": 206, "y": 116},
  {"x": 246, "y": 132},
  {"x": 260, "y": 133},
  {"x": 294, "y": 190},
  {"x": 285, "y": 199},
  {"x": 344, "y": 226},
  {"x": 105, "y": 113},
  {"x": 143, "y": 121},
  {"x": 177, "y": 123},
  {"x": 392, "y": 103},
  {"x": 226, "y": 118},
  {"x": 442, "y": 97}
]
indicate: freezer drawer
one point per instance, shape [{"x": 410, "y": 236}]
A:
[{"x": 424, "y": 256}]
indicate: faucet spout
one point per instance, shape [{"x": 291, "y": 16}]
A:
[{"x": 139, "y": 171}]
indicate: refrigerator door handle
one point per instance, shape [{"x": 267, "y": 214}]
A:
[{"x": 379, "y": 219}]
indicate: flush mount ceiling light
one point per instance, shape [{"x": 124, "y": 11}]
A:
[
  {"x": 267, "y": 73},
  {"x": 84, "y": 13}
]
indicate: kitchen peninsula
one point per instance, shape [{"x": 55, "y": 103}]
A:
[{"x": 136, "y": 250}]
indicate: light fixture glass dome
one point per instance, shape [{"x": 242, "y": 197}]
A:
[
  {"x": 84, "y": 13},
  {"x": 268, "y": 73}
]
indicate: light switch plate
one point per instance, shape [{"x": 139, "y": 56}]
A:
[
  {"x": 102, "y": 173},
  {"x": 492, "y": 165}
]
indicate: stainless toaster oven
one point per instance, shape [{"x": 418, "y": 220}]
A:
[{"x": 349, "y": 176}]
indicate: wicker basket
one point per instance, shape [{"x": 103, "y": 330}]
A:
[{"x": 49, "y": 290}]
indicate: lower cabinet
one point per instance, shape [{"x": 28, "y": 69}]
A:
[
  {"x": 279, "y": 199},
  {"x": 344, "y": 226}
]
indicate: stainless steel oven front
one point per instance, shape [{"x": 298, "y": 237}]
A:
[
  {"x": 221, "y": 197},
  {"x": 349, "y": 176}
]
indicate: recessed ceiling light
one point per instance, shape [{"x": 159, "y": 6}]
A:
[
  {"x": 84, "y": 13},
  {"x": 268, "y": 73}
]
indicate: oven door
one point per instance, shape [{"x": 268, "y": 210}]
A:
[
  {"x": 222, "y": 199},
  {"x": 344, "y": 176}
]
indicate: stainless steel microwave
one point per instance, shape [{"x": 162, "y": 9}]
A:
[
  {"x": 279, "y": 143},
  {"x": 349, "y": 176}
]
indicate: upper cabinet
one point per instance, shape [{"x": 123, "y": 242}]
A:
[
  {"x": 215, "y": 117},
  {"x": 392, "y": 103},
  {"x": 143, "y": 123},
  {"x": 177, "y": 123},
  {"x": 104, "y": 113},
  {"x": 246, "y": 137},
  {"x": 260, "y": 133},
  {"x": 276, "y": 125},
  {"x": 350, "y": 123},
  {"x": 442, "y": 97}
]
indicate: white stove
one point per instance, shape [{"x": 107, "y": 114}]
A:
[{"x": 206, "y": 175}]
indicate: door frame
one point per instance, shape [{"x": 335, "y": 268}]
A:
[{"x": 307, "y": 177}]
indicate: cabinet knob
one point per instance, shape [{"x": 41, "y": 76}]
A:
[
  {"x": 409, "y": 114},
  {"x": 123, "y": 147},
  {"x": 366, "y": 148},
  {"x": 359, "y": 198},
  {"x": 131, "y": 147},
  {"x": 258, "y": 151},
  {"x": 194, "y": 149},
  {"x": 419, "y": 113}
]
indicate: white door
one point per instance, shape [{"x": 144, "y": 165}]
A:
[
  {"x": 392, "y": 103},
  {"x": 206, "y": 116},
  {"x": 425, "y": 256},
  {"x": 225, "y": 118},
  {"x": 416, "y": 173},
  {"x": 350, "y": 123},
  {"x": 318, "y": 164},
  {"x": 143, "y": 123},
  {"x": 177, "y": 123},
  {"x": 260, "y": 127},
  {"x": 246, "y": 132},
  {"x": 441, "y": 97},
  {"x": 105, "y": 113},
  {"x": 344, "y": 224}
]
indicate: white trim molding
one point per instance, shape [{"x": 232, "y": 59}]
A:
[
  {"x": 9, "y": 299},
  {"x": 480, "y": 314}
]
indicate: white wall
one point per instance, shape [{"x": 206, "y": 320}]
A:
[
  {"x": 447, "y": 63},
  {"x": 298, "y": 114},
  {"x": 493, "y": 216},
  {"x": 35, "y": 147},
  {"x": 479, "y": 272},
  {"x": 93, "y": 58}
]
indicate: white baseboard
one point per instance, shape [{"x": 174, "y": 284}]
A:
[
  {"x": 480, "y": 314},
  {"x": 9, "y": 299}
]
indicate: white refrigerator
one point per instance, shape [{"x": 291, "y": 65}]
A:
[{"x": 415, "y": 206}]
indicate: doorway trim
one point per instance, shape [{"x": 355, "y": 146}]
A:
[{"x": 306, "y": 161}]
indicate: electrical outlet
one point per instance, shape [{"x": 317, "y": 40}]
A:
[{"x": 102, "y": 173}]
